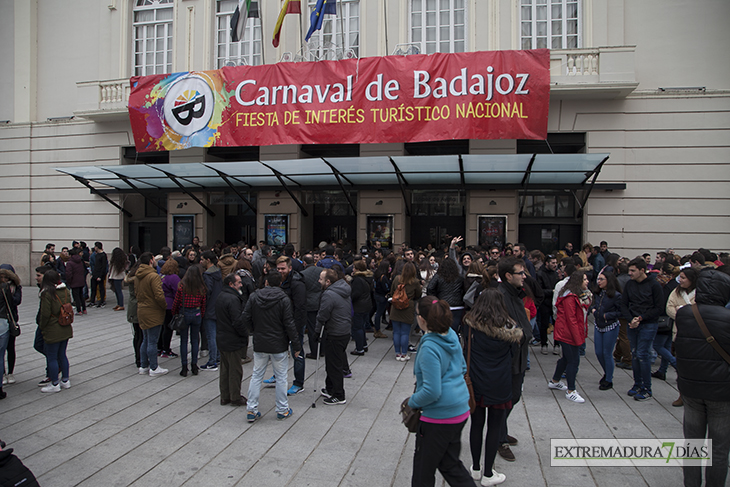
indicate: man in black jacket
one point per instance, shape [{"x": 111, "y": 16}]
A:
[
  {"x": 547, "y": 278},
  {"x": 642, "y": 302},
  {"x": 293, "y": 285},
  {"x": 268, "y": 314},
  {"x": 704, "y": 375},
  {"x": 512, "y": 273},
  {"x": 232, "y": 339},
  {"x": 335, "y": 316},
  {"x": 99, "y": 270}
]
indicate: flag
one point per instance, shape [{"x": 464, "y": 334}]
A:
[
  {"x": 323, "y": 7},
  {"x": 246, "y": 9},
  {"x": 289, "y": 7}
]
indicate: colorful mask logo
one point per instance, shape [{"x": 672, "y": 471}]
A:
[{"x": 188, "y": 105}]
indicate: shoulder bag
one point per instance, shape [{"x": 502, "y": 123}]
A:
[
  {"x": 710, "y": 339},
  {"x": 472, "y": 401},
  {"x": 14, "y": 327},
  {"x": 66, "y": 316}
]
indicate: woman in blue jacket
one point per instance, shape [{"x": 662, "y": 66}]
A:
[
  {"x": 441, "y": 395},
  {"x": 606, "y": 311}
]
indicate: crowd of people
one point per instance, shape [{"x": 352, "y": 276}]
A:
[{"x": 481, "y": 309}]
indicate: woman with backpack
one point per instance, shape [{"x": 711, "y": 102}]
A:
[
  {"x": 404, "y": 291},
  {"x": 53, "y": 295}
]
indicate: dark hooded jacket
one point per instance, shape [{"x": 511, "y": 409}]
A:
[
  {"x": 231, "y": 333},
  {"x": 516, "y": 309},
  {"x": 296, "y": 289},
  {"x": 214, "y": 283},
  {"x": 268, "y": 314},
  {"x": 13, "y": 293},
  {"x": 75, "y": 272},
  {"x": 335, "y": 310},
  {"x": 13, "y": 472},
  {"x": 362, "y": 291},
  {"x": 702, "y": 372},
  {"x": 492, "y": 349},
  {"x": 451, "y": 292}
]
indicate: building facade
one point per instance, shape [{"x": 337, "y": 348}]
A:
[{"x": 641, "y": 81}]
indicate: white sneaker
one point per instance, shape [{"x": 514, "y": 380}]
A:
[
  {"x": 11, "y": 379},
  {"x": 66, "y": 384},
  {"x": 144, "y": 370},
  {"x": 158, "y": 371},
  {"x": 476, "y": 474},
  {"x": 560, "y": 385},
  {"x": 574, "y": 396},
  {"x": 5, "y": 380},
  {"x": 496, "y": 478},
  {"x": 405, "y": 357},
  {"x": 52, "y": 388},
  {"x": 398, "y": 358}
]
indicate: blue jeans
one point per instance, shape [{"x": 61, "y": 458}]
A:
[
  {"x": 456, "y": 315},
  {"x": 209, "y": 328},
  {"x": 148, "y": 350},
  {"x": 663, "y": 347},
  {"x": 56, "y": 359},
  {"x": 568, "y": 363},
  {"x": 708, "y": 419},
  {"x": 117, "y": 283},
  {"x": 280, "y": 363},
  {"x": 358, "y": 330},
  {"x": 400, "y": 336},
  {"x": 4, "y": 338},
  {"x": 381, "y": 304},
  {"x": 191, "y": 326},
  {"x": 604, "y": 342},
  {"x": 641, "y": 339}
]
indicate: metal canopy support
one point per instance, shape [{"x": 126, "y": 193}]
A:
[
  {"x": 105, "y": 197},
  {"x": 136, "y": 189},
  {"x": 280, "y": 177},
  {"x": 401, "y": 182},
  {"x": 525, "y": 183},
  {"x": 185, "y": 190},
  {"x": 596, "y": 171},
  {"x": 224, "y": 177},
  {"x": 339, "y": 176},
  {"x": 461, "y": 170}
]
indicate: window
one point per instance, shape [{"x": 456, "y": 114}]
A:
[
  {"x": 438, "y": 25},
  {"x": 331, "y": 35},
  {"x": 152, "y": 37},
  {"x": 553, "y": 24},
  {"x": 246, "y": 51}
]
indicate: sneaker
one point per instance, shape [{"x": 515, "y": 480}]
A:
[
  {"x": 84, "y": 312},
  {"x": 405, "y": 357},
  {"x": 476, "y": 474},
  {"x": 65, "y": 384},
  {"x": 326, "y": 394},
  {"x": 11, "y": 379},
  {"x": 52, "y": 388},
  {"x": 252, "y": 416},
  {"x": 496, "y": 479},
  {"x": 158, "y": 371},
  {"x": 505, "y": 452},
  {"x": 44, "y": 382},
  {"x": 294, "y": 390},
  {"x": 102, "y": 305},
  {"x": 163, "y": 355},
  {"x": 560, "y": 385},
  {"x": 535, "y": 342},
  {"x": 412, "y": 348},
  {"x": 144, "y": 370},
  {"x": 624, "y": 365},
  {"x": 171, "y": 354},
  {"x": 246, "y": 360},
  {"x": 556, "y": 349},
  {"x": 659, "y": 375},
  {"x": 211, "y": 367},
  {"x": 606, "y": 386},
  {"x": 359, "y": 353},
  {"x": 634, "y": 390},
  {"x": 5, "y": 380},
  {"x": 285, "y": 415},
  {"x": 642, "y": 395},
  {"x": 270, "y": 382},
  {"x": 574, "y": 396},
  {"x": 399, "y": 357},
  {"x": 544, "y": 350},
  {"x": 333, "y": 401},
  {"x": 347, "y": 374}
]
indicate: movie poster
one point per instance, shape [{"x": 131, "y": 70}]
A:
[
  {"x": 183, "y": 231},
  {"x": 492, "y": 231},
  {"x": 276, "y": 229},
  {"x": 380, "y": 229}
]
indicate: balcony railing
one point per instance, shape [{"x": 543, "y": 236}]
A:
[{"x": 101, "y": 100}]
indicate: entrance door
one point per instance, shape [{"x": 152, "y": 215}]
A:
[
  {"x": 148, "y": 236},
  {"x": 332, "y": 217},
  {"x": 437, "y": 217},
  {"x": 549, "y": 237}
]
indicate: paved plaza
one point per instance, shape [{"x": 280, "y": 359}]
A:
[{"x": 114, "y": 427}]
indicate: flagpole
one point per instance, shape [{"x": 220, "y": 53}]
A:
[
  {"x": 342, "y": 28},
  {"x": 261, "y": 28},
  {"x": 301, "y": 31},
  {"x": 385, "y": 19}
]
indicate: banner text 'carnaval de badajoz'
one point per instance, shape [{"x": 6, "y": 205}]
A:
[{"x": 476, "y": 95}]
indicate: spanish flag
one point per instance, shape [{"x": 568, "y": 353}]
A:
[
  {"x": 289, "y": 7},
  {"x": 322, "y": 7}
]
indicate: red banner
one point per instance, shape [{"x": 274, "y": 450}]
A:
[{"x": 475, "y": 95}]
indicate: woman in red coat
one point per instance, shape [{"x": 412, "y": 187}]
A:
[{"x": 571, "y": 330}]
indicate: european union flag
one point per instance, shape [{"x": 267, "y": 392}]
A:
[{"x": 323, "y": 7}]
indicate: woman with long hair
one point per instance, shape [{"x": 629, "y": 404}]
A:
[
  {"x": 11, "y": 295},
  {"x": 132, "y": 317},
  {"x": 606, "y": 311},
  {"x": 441, "y": 395},
  {"x": 493, "y": 336},
  {"x": 117, "y": 271},
  {"x": 381, "y": 280},
  {"x": 426, "y": 271},
  {"x": 448, "y": 285},
  {"x": 682, "y": 295},
  {"x": 170, "y": 281},
  {"x": 53, "y": 294},
  {"x": 403, "y": 318},
  {"x": 571, "y": 330},
  {"x": 190, "y": 299}
]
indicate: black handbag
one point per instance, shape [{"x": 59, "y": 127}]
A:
[
  {"x": 14, "y": 327},
  {"x": 664, "y": 324},
  {"x": 176, "y": 323},
  {"x": 410, "y": 417}
]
